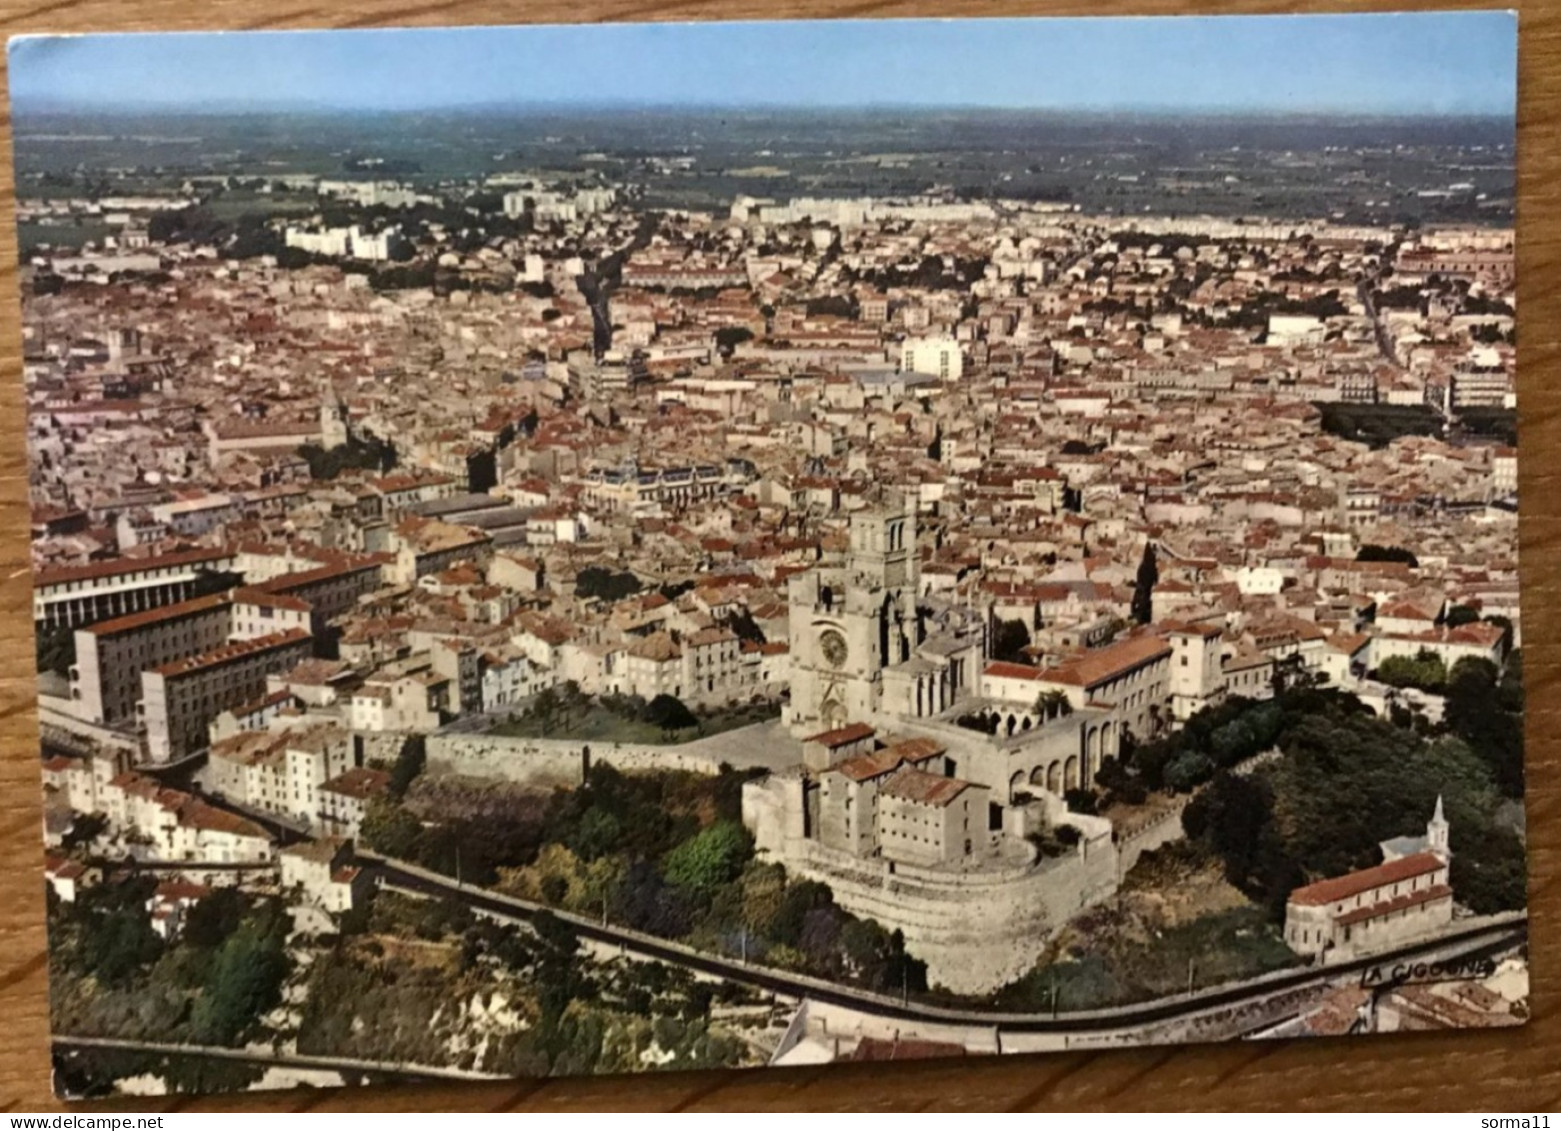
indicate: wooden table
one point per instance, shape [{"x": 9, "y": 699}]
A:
[{"x": 1509, "y": 1070}]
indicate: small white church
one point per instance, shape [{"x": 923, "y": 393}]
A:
[{"x": 1405, "y": 898}]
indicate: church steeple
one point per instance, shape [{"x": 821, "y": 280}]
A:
[{"x": 1436, "y": 831}]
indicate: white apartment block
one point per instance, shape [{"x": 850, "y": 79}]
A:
[{"x": 937, "y": 357}]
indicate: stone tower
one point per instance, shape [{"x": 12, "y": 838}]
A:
[
  {"x": 334, "y": 431},
  {"x": 850, "y": 622}
]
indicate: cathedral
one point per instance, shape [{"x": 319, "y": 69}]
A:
[{"x": 862, "y": 647}]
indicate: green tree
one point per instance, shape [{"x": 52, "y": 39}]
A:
[
  {"x": 1374, "y": 553},
  {"x": 728, "y": 338},
  {"x": 1461, "y": 615},
  {"x": 246, "y": 981},
  {"x": 1009, "y": 640},
  {"x": 1425, "y": 671},
  {"x": 545, "y": 706},
  {"x": 1347, "y": 781},
  {"x": 1188, "y": 769},
  {"x": 213, "y": 919},
  {"x": 709, "y": 860},
  {"x": 597, "y": 834},
  {"x": 389, "y": 829},
  {"x": 56, "y": 647},
  {"x": 669, "y": 713},
  {"x": 409, "y": 765},
  {"x": 572, "y": 699},
  {"x": 119, "y": 945},
  {"x": 1053, "y": 704},
  {"x": 1143, "y": 586},
  {"x": 364, "y": 453},
  {"x": 1475, "y": 712},
  {"x": 606, "y": 584},
  {"x": 1081, "y": 801},
  {"x": 1230, "y": 817}
]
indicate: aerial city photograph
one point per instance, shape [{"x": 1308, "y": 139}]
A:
[{"x": 783, "y": 543}]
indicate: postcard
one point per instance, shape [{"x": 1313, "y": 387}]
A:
[{"x": 604, "y": 549}]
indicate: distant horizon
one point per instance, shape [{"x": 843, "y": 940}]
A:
[
  {"x": 1139, "y": 112},
  {"x": 1371, "y": 65}
]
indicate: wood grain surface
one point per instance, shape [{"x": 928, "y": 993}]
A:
[{"x": 1506, "y": 1070}]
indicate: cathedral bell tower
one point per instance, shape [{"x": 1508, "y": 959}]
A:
[
  {"x": 883, "y": 547},
  {"x": 850, "y": 622}
]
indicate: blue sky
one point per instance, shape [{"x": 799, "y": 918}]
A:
[{"x": 1403, "y": 63}]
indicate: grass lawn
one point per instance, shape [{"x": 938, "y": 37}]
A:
[{"x": 595, "y": 723}]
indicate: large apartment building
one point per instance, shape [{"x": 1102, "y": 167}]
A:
[
  {"x": 74, "y": 596},
  {"x": 179, "y": 700}
]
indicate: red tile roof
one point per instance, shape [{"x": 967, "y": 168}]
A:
[
  {"x": 1357, "y": 883},
  {"x": 923, "y": 788},
  {"x": 1002, "y": 669},
  {"x": 1111, "y": 662},
  {"x": 1397, "y": 903},
  {"x": 918, "y": 749},
  {"x": 842, "y": 736},
  {"x": 47, "y": 577},
  {"x": 198, "y": 815},
  {"x": 361, "y": 783},
  {"x": 232, "y": 651},
  {"x": 864, "y": 767},
  {"x": 157, "y": 616},
  {"x": 179, "y": 891}
]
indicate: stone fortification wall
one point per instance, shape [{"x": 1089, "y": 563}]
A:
[
  {"x": 1167, "y": 827},
  {"x": 552, "y": 762},
  {"x": 975, "y": 930},
  {"x": 380, "y": 746}
]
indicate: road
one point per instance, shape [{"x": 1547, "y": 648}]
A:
[
  {"x": 132, "y": 864},
  {"x": 1366, "y": 289},
  {"x": 279, "y": 1060},
  {"x": 1476, "y": 940}
]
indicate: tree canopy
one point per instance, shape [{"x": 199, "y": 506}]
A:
[
  {"x": 713, "y": 857},
  {"x": 1424, "y": 670},
  {"x": 606, "y": 584},
  {"x": 1371, "y": 552},
  {"x": 669, "y": 713},
  {"x": 1009, "y": 640},
  {"x": 245, "y": 981},
  {"x": 1347, "y": 781},
  {"x": 1143, "y": 586}
]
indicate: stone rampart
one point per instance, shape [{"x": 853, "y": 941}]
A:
[
  {"x": 552, "y": 762},
  {"x": 1164, "y": 829},
  {"x": 976, "y": 930}
]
